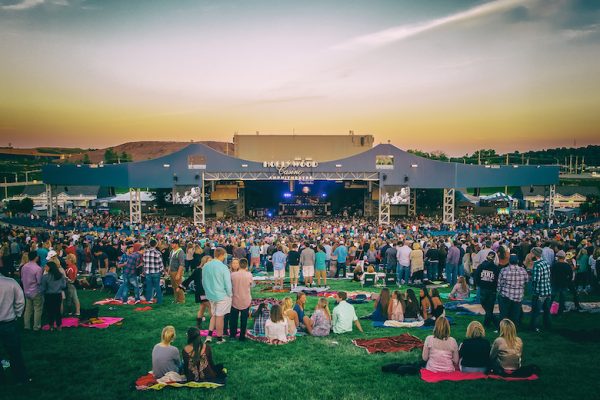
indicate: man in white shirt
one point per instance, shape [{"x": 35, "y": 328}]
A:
[
  {"x": 344, "y": 315},
  {"x": 403, "y": 270}
]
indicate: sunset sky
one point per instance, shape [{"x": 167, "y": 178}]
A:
[{"x": 433, "y": 75}]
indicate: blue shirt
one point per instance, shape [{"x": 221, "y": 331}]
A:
[
  {"x": 299, "y": 311},
  {"x": 279, "y": 261},
  {"x": 341, "y": 252},
  {"x": 216, "y": 280},
  {"x": 42, "y": 253},
  {"x": 320, "y": 261}
]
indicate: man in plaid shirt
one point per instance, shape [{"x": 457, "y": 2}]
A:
[
  {"x": 511, "y": 288},
  {"x": 131, "y": 261},
  {"x": 542, "y": 289},
  {"x": 153, "y": 269}
]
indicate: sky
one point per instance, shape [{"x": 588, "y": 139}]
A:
[{"x": 448, "y": 75}]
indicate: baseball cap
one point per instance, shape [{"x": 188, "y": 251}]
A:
[
  {"x": 491, "y": 255},
  {"x": 561, "y": 254},
  {"x": 537, "y": 251},
  {"x": 514, "y": 259},
  {"x": 51, "y": 254}
]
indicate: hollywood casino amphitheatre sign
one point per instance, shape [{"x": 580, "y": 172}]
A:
[{"x": 291, "y": 169}]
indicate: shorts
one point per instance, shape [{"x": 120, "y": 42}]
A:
[
  {"x": 308, "y": 271},
  {"x": 294, "y": 271},
  {"x": 255, "y": 261},
  {"x": 72, "y": 292},
  {"x": 321, "y": 274},
  {"x": 279, "y": 273},
  {"x": 220, "y": 308}
]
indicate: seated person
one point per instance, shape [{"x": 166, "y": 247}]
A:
[
  {"x": 198, "y": 365},
  {"x": 505, "y": 355},
  {"x": 321, "y": 318},
  {"x": 474, "y": 350},
  {"x": 357, "y": 274},
  {"x": 260, "y": 316},
  {"x": 291, "y": 315},
  {"x": 412, "y": 311},
  {"x": 276, "y": 327},
  {"x": 165, "y": 357},
  {"x": 370, "y": 273},
  {"x": 396, "y": 307},
  {"x": 437, "y": 306},
  {"x": 440, "y": 350},
  {"x": 381, "y": 305},
  {"x": 460, "y": 291},
  {"x": 305, "y": 322},
  {"x": 344, "y": 315},
  {"x": 431, "y": 304}
]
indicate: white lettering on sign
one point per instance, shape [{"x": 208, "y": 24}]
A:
[{"x": 287, "y": 164}]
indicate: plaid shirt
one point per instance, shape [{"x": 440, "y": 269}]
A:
[
  {"x": 511, "y": 282},
  {"x": 259, "y": 323},
  {"x": 153, "y": 263},
  {"x": 541, "y": 278},
  {"x": 131, "y": 263}
]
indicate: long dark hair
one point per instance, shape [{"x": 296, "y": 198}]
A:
[
  {"x": 54, "y": 271},
  {"x": 194, "y": 338},
  {"x": 384, "y": 300},
  {"x": 261, "y": 308},
  {"x": 426, "y": 295},
  {"x": 411, "y": 297}
]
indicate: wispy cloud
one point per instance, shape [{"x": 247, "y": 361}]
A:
[
  {"x": 398, "y": 33},
  {"x": 573, "y": 34},
  {"x": 23, "y": 5}
]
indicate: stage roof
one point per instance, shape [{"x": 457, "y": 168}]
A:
[{"x": 384, "y": 163}]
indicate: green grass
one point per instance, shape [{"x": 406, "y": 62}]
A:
[{"x": 103, "y": 363}]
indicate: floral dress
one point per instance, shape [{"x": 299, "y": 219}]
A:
[{"x": 321, "y": 324}]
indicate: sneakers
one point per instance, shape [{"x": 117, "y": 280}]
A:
[
  {"x": 209, "y": 339},
  {"x": 220, "y": 340}
]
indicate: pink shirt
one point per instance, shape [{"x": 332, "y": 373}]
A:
[{"x": 241, "y": 282}]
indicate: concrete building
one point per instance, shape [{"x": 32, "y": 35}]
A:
[
  {"x": 319, "y": 148},
  {"x": 566, "y": 196}
]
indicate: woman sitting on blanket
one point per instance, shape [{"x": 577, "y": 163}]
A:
[
  {"x": 474, "y": 351},
  {"x": 396, "y": 307},
  {"x": 381, "y": 306},
  {"x": 412, "y": 311},
  {"x": 321, "y": 318},
  {"x": 507, "y": 349},
  {"x": 440, "y": 350},
  {"x": 260, "y": 316},
  {"x": 198, "y": 365},
  {"x": 431, "y": 305},
  {"x": 460, "y": 291},
  {"x": 276, "y": 327},
  {"x": 358, "y": 273},
  {"x": 288, "y": 311},
  {"x": 165, "y": 356}
]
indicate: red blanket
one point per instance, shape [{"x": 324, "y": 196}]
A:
[
  {"x": 433, "y": 377},
  {"x": 404, "y": 342}
]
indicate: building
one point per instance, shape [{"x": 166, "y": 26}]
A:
[
  {"x": 77, "y": 196},
  {"x": 319, "y": 148},
  {"x": 566, "y": 196}
]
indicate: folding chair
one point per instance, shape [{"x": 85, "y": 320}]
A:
[
  {"x": 390, "y": 279},
  {"x": 369, "y": 280}
]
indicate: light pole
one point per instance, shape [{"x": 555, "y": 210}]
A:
[{"x": 29, "y": 172}]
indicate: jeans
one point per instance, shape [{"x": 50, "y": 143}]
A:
[
  {"x": 52, "y": 302},
  {"x": 340, "y": 265},
  {"x": 473, "y": 369},
  {"x": 11, "y": 339},
  {"x": 487, "y": 301},
  {"x": 390, "y": 267},
  {"x": 123, "y": 292},
  {"x": 451, "y": 274},
  {"x": 153, "y": 285},
  {"x": 432, "y": 270},
  {"x": 34, "y": 306},
  {"x": 509, "y": 309},
  {"x": 233, "y": 322},
  {"x": 541, "y": 303},
  {"x": 404, "y": 274}
]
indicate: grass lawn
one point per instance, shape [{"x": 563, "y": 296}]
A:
[{"x": 103, "y": 363}]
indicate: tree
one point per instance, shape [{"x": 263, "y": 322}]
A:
[
  {"x": 110, "y": 156},
  {"x": 125, "y": 157},
  {"x": 86, "y": 159},
  {"x": 26, "y": 205}
]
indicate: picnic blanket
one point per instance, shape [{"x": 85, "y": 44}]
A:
[
  {"x": 446, "y": 296},
  {"x": 149, "y": 382},
  {"x": 147, "y": 308},
  {"x": 273, "y": 289},
  {"x": 204, "y": 332},
  {"x": 266, "y": 340},
  {"x": 392, "y": 344},
  {"x": 426, "y": 324},
  {"x": 310, "y": 291},
  {"x": 433, "y": 377},
  {"x": 591, "y": 307},
  {"x": 477, "y": 309},
  {"x": 100, "y": 323},
  {"x": 117, "y": 302}
]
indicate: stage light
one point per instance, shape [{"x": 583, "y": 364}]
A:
[
  {"x": 287, "y": 195},
  {"x": 269, "y": 214},
  {"x": 305, "y": 190},
  {"x": 323, "y": 194}
]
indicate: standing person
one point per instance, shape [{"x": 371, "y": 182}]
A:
[
  {"x": 511, "y": 288},
  {"x": 321, "y": 266},
  {"x": 241, "y": 283},
  {"x": 403, "y": 269},
  {"x": 279, "y": 259},
  {"x": 307, "y": 262},
  {"x": 452, "y": 261},
  {"x": 176, "y": 268},
  {"x": 31, "y": 278},
  {"x": 417, "y": 263},
  {"x": 486, "y": 279},
  {"x": 71, "y": 274},
  {"x": 217, "y": 285},
  {"x": 189, "y": 256},
  {"x": 99, "y": 261},
  {"x": 131, "y": 261},
  {"x": 562, "y": 278},
  {"x": 53, "y": 284},
  {"x": 341, "y": 252},
  {"x": 153, "y": 269},
  {"x": 12, "y": 303},
  {"x": 199, "y": 292},
  {"x": 432, "y": 257},
  {"x": 254, "y": 251},
  {"x": 542, "y": 289},
  {"x": 294, "y": 262},
  {"x": 344, "y": 315},
  {"x": 327, "y": 248},
  {"x": 391, "y": 256}
]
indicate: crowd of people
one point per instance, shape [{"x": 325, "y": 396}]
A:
[{"x": 499, "y": 264}]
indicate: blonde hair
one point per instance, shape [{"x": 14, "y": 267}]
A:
[
  {"x": 168, "y": 334},
  {"x": 475, "y": 330},
  {"x": 204, "y": 260},
  {"x": 71, "y": 258},
  {"x": 463, "y": 284},
  {"x": 441, "y": 329},
  {"x": 323, "y": 304},
  {"x": 286, "y": 305},
  {"x": 370, "y": 270},
  {"x": 508, "y": 331}
]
